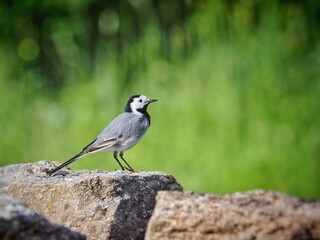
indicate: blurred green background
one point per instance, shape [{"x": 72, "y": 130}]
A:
[{"x": 238, "y": 84}]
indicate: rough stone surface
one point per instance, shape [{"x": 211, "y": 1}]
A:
[
  {"x": 19, "y": 222},
  {"x": 100, "y": 205},
  {"x": 249, "y": 215}
]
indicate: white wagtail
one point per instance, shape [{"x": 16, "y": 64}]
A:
[{"x": 122, "y": 133}]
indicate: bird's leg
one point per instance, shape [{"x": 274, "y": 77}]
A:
[
  {"x": 129, "y": 167},
  {"x": 116, "y": 158}
]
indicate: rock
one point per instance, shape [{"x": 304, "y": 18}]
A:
[
  {"x": 19, "y": 222},
  {"x": 100, "y": 205},
  {"x": 249, "y": 215}
]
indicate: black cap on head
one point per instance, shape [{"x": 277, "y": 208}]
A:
[{"x": 128, "y": 107}]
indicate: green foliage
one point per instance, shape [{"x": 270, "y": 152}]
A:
[{"x": 238, "y": 88}]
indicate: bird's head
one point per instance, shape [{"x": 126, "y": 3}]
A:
[{"x": 138, "y": 104}]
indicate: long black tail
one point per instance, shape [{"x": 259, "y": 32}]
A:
[{"x": 71, "y": 160}]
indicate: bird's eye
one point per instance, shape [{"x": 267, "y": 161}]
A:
[{"x": 140, "y": 100}]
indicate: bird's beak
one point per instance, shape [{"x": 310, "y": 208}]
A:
[{"x": 152, "y": 100}]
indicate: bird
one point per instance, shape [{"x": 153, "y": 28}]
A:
[{"x": 123, "y": 132}]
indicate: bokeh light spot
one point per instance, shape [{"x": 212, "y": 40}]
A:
[
  {"x": 28, "y": 49},
  {"x": 109, "y": 22}
]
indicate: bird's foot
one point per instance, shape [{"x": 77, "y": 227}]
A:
[{"x": 129, "y": 169}]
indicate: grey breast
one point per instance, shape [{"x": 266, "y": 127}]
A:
[{"x": 126, "y": 125}]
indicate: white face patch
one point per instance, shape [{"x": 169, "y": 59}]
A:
[{"x": 139, "y": 103}]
